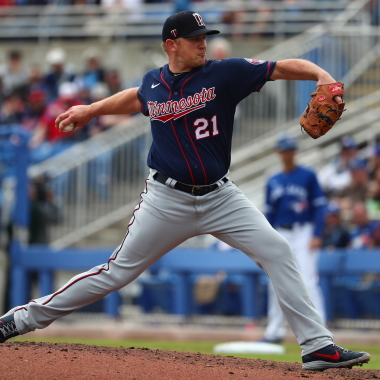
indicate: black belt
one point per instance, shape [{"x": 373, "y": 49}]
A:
[{"x": 194, "y": 190}]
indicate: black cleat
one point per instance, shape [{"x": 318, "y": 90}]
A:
[
  {"x": 8, "y": 328},
  {"x": 334, "y": 356}
]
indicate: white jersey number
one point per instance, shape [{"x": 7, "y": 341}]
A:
[{"x": 202, "y": 124}]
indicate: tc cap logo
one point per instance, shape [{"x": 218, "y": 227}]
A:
[
  {"x": 174, "y": 32},
  {"x": 199, "y": 20}
]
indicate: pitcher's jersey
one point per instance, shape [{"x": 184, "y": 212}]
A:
[
  {"x": 295, "y": 197},
  {"x": 192, "y": 115}
]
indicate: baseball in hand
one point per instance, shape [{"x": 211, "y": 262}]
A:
[{"x": 67, "y": 128}]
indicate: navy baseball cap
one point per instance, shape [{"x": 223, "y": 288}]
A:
[
  {"x": 286, "y": 142},
  {"x": 185, "y": 24}
]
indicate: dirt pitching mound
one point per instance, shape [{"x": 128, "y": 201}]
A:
[{"x": 42, "y": 361}]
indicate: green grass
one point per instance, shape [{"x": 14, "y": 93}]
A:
[{"x": 291, "y": 355}]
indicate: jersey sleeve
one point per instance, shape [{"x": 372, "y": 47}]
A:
[
  {"x": 248, "y": 75},
  {"x": 142, "y": 98}
]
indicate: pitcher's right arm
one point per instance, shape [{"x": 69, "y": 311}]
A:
[{"x": 124, "y": 102}]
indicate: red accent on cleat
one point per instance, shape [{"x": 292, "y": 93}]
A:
[{"x": 336, "y": 356}]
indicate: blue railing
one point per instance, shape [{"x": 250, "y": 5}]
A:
[{"x": 342, "y": 278}]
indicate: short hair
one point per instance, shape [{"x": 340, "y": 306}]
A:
[{"x": 163, "y": 45}]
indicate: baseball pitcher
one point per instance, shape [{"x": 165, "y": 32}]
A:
[{"x": 191, "y": 103}]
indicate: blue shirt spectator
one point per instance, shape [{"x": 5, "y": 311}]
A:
[{"x": 335, "y": 233}]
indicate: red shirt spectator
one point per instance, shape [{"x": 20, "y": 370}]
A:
[
  {"x": 6, "y": 3},
  {"x": 46, "y": 129}
]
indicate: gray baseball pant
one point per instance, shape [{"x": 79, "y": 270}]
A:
[{"x": 164, "y": 218}]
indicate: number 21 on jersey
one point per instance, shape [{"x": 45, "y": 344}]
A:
[{"x": 202, "y": 127}]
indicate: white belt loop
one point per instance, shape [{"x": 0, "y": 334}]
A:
[
  {"x": 170, "y": 182},
  {"x": 220, "y": 183}
]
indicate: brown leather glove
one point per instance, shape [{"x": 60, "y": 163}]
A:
[{"x": 323, "y": 111}]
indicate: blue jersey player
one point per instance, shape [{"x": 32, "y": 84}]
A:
[
  {"x": 191, "y": 103},
  {"x": 295, "y": 206}
]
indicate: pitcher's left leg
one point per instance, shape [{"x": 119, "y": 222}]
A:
[
  {"x": 307, "y": 261},
  {"x": 231, "y": 217},
  {"x": 275, "y": 330}
]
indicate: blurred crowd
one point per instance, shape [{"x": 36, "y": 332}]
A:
[
  {"x": 32, "y": 98},
  {"x": 126, "y": 3},
  {"x": 244, "y": 19},
  {"x": 351, "y": 182}
]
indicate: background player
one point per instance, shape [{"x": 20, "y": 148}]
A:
[
  {"x": 191, "y": 104},
  {"x": 295, "y": 207}
]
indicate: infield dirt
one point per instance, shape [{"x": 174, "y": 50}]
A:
[{"x": 61, "y": 361}]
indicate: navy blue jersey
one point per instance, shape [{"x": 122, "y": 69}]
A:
[
  {"x": 192, "y": 115},
  {"x": 295, "y": 197}
]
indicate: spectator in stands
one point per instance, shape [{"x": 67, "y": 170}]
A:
[
  {"x": 362, "y": 226},
  {"x": 34, "y": 109},
  {"x": 374, "y": 161},
  {"x": 375, "y": 237},
  {"x": 47, "y": 139},
  {"x": 235, "y": 19},
  {"x": 114, "y": 81},
  {"x": 1, "y": 90},
  {"x": 131, "y": 5},
  {"x": 43, "y": 211},
  {"x": 94, "y": 72},
  {"x": 14, "y": 75},
  {"x": 7, "y": 3},
  {"x": 219, "y": 48},
  {"x": 357, "y": 189},
  {"x": 335, "y": 233},
  {"x": 102, "y": 123},
  {"x": 11, "y": 111},
  {"x": 335, "y": 176},
  {"x": 58, "y": 73},
  {"x": 36, "y": 79},
  {"x": 373, "y": 201},
  {"x": 36, "y": 2},
  {"x": 374, "y": 185},
  {"x": 179, "y": 5}
]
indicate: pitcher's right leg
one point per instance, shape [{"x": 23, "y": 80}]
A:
[{"x": 160, "y": 222}]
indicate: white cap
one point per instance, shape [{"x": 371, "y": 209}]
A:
[
  {"x": 56, "y": 56},
  {"x": 68, "y": 89}
]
